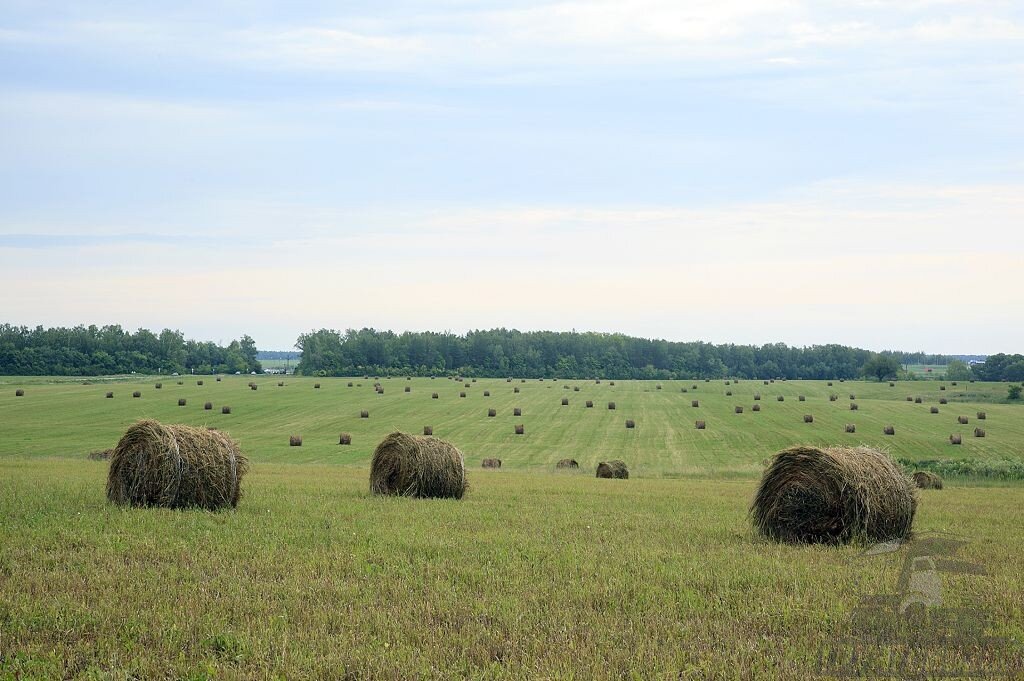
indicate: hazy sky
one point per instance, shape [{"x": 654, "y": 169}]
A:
[{"x": 746, "y": 171}]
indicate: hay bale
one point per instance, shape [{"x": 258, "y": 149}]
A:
[
  {"x": 567, "y": 463},
  {"x": 519, "y": 429},
  {"x": 766, "y": 383},
  {"x": 833, "y": 496},
  {"x": 208, "y": 406},
  {"x": 757, "y": 397},
  {"x": 616, "y": 469},
  {"x": 491, "y": 463},
  {"x": 408, "y": 389},
  {"x": 830, "y": 384},
  {"x": 737, "y": 409},
  {"x": 225, "y": 410},
  {"x": 159, "y": 386},
  {"x": 565, "y": 401},
  {"x": 411, "y": 466},
  {"x": 316, "y": 386},
  {"x": 428, "y": 430},
  {"x": 109, "y": 396},
  {"x": 433, "y": 396},
  {"x": 136, "y": 394},
  {"x": 780, "y": 398},
  {"x": 218, "y": 379},
  {"x": 891, "y": 384},
  {"x": 517, "y": 411},
  {"x": 462, "y": 393},
  {"x": 175, "y": 466},
  {"x": 658, "y": 387},
  {"x": 294, "y": 440},
  {"x": 693, "y": 387},
  {"x": 889, "y": 430},
  {"x": 181, "y": 402},
  {"x": 487, "y": 393},
  {"x": 465, "y": 385},
  {"x": 199, "y": 382},
  {"x": 962, "y": 420},
  {"x": 491, "y": 413},
  {"x": 701, "y": 425},
  {"x": 942, "y": 387},
  {"x": 345, "y": 439},
  {"x": 979, "y": 432},
  {"x": 808, "y": 418},
  {"x": 695, "y": 403},
  {"x": 576, "y": 389},
  {"x": 253, "y": 386},
  {"x": 611, "y": 406},
  {"x": 728, "y": 393},
  {"x": 853, "y": 406},
  {"x": 181, "y": 382},
  {"x": 515, "y": 389},
  {"x": 630, "y": 423},
  {"x": 801, "y": 398},
  {"x": 349, "y": 384},
  {"x": 909, "y": 398},
  {"x": 956, "y": 439},
  {"x": 833, "y": 398},
  {"x": 981, "y": 416},
  {"x": 611, "y": 382},
  {"x": 852, "y": 396},
  {"x": 934, "y": 410},
  {"x": 851, "y": 428},
  {"x": 918, "y": 400},
  {"x": 280, "y": 384},
  {"x": 589, "y": 404},
  {"x": 756, "y": 407},
  {"x": 927, "y": 479},
  {"x": 99, "y": 455},
  {"x": 943, "y": 400},
  {"x": 364, "y": 414},
  {"x": 683, "y": 390}
]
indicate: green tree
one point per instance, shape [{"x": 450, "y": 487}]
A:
[
  {"x": 1013, "y": 392},
  {"x": 882, "y": 367},
  {"x": 957, "y": 370}
]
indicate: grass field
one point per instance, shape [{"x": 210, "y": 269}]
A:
[{"x": 535, "y": 574}]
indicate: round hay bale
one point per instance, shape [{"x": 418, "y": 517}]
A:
[
  {"x": 852, "y": 396},
  {"x": 253, "y": 386},
  {"x": 491, "y": 463},
  {"x": 630, "y": 423},
  {"x": 979, "y": 432},
  {"x": 428, "y": 430},
  {"x": 199, "y": 382},
  {"x": 411, "y": 466},
  {"x": 683, "y": 390},
  {"x": 909, "y": 398},
  {"x": 462, "y": 393},
  {"x": 465, "y": 385},
  {"x": 766, "y": 382},
  {"x": 491, "y": 413},
  {"x": 225, "y": 410},
  {"x": 738, "y": 409},
  {"x": 364, "y": 414},
  {"x": 616, "y": 468},
  {"x": 565, "y": 401},
  {"x": 757, "y": 397},
  {"x": 611, "y": 382},
  {"x": 159, "y": 386},
  {"x": 487, "y": 393},
  {"x": 576, "y": 389},
  {"x": 349, "y": 384},
  {"x": 136, "y": 394},
  {"x": 520, "y": 429},
  {"x": 833, "y": 496},
  {"x": 830, "y": 384},
  {"x": 181, "y": 402},
  {"x": 934, "y": 410},
  {"x": 801, "y": 398},
  {"x": 728, "y": 393},
  {"x": 658, "y": 387},
  {"x": 701, "y": 425},
  {"x": 611, "y": 406},
  {"x": 927, "y": 480},
  {"x": 408, "y": 389},
  {"x": 833, "y": 398},
  {"x": 981, "y": 416},
  {"x": 294, "y": 440},
  {"x": 517, "y": 411},
  {"x": 851, "y": 428},
  {"x": 175, "y": 466},
  {"x": 756, "y": 407},
  {"x": 316, "y": 386},
  {"x": 808, "y": 418},
  {"x": 694, "y": 403},
  {"x": 208, "y": 406},
  {"x": 515, "y": 389},
  {"x": 942, "y": 387},
  {"x": 181, "y": 382},
  {"x": 891, "y": 384},
  {"x": 567, "y": 463},
  {"x": 109, "y": 395},
  {"x": 956, "y": 439},
  {"x": 590, "y": 404},
  {"x": 889, "y": 430},
  {"x": 780, "y": 398},
  {"x": 853, "y": 406},
  {"x": 943, "y": 400},
  {"x": 345, "y": 439},
  {"x": 962, "y": 420},
  {"x": 918, "y": 400},
  {"x": 100, "y": 455},
  {"x": 280, "y": 384}
]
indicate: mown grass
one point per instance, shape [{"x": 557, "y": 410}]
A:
[{"x": 535, "y": 574}]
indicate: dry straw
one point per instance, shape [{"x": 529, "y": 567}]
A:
[
  {"x": 956, "y": 439},
  {"x": 345, "y": 439},
  {"x": 491, "y": 463},
  {"x": 175, "y": 466},
  {"x": 567, "y": 463},
  {"x": 701, "y": 425},
  {"x": 616, "y": 468},
  {"x": 411, "y": 466},
  {"x": 833, "y": 496},
  {"x": 927, "y": 480}
]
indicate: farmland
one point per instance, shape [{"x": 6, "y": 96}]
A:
[{"x": 534, "y": 574}]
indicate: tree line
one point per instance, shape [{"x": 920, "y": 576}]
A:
[
  {"x": 94, "y": 351},
  {"x": 505, "y": 352}
]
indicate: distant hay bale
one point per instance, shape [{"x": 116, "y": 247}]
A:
[
  {"x": 487, "y": 393},
  {"x": 611, "y": 382},
  {"x": 199, "y": 382},
  {"x": 658, "y": 387},
  {"x": 835, "y": 495},
  {"x": 491, "y": 413},
  {"x": 565, "y": 401},
  {"x": 576, "y": 389},
  {"x": 519, "y": 429},
  {"x": 630, "y": 423},
  {"x": 694, "y": 403},
  {"x": 175, "y": 466},
  {"x": 428, "y": 430},
  {"x": 854, "y": 406},
  {"x": 408, "y": 389},
  {"x": 766, "y": 382},
  {"x": 615, "y": 469},
  {"x": 515, "y": 389},
  {"x": 701, "y": 425},
  {"x": 927, "y": 479},
  {"x": 851, "y": 428},
  {"x": 942, "y": 387},
  {"x": 852, "y": 396},
  {"x": 345, "y": 439},
  {"x": 462, "y": 393},
  {"x": 781, "y": 398},
  {"x": 981, "y": 416},
  {"x": 757, "y": 396},
  {"x": 693, "y": 387},
  {"x": 590, "y": 404},
  {"x": 253, "y": 386},
  {"x": 523, "y": 380},
  {"x": 979, "y": 432},
  {"x": 411, "y": 466},
  {"x": 465, "y": 385},
  {"x": 889, "y": 430},
  {"x": 474, "y": 380},
  {"x": 110, "y": 394},
  {"x": 181, "y": 402},
  {"x": 909, "y": 398},
  {"x": 683, "y": 390},
  {"x": 316, "y": 386},
  {"x": 294, "y": 440},
  {"x": 801, "y": 398},
  {"x": 181, "y": 382},
  {"x": 565, "y": 387},
  {"x": 727, "y": 383},
  {"x": 159, "y": 386},
  {"x": 434, "y": 396},
  {"x": 208, "y": 406},
  {"x": 934, "y": 410},
  {"x": 567, "y": 463},
  {"x": 364, "y": 414},
  {"x": 891, "y": 384},
  {"x": 756, "y": 407},
  {"x": 280, "y": 384},
  {"x": 225, "y": 410},
  {"x": 833, "y": 398},
  {"x": 491, "y": 463},
  {"x": 830, "y": 384},
  {"x": 99, "y": 455},
  {"x": 956, "y": 439},
  {"x": 728, "y": 393},
  {"x": 611, "y": 405},
  {"x": 943, "y": 400},
  {"x": 918, "y": 400},
  {"x": 218, "y": 379},
  {"x": 962, "y": 420},
  {"x": 738, "y": 409},
  {"x": 349, "y": 384},
  {"x": 136, "y": 394},
  {"x": 517, "y": 411},
  {"x": 808, "y": 418}
]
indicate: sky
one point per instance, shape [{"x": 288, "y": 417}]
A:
[{"x": 746, "y": 171}]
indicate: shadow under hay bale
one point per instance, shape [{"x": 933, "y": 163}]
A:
[
  {"x": 611, "y": 406},
  {"x": 410, "y": 466},
  {"x": 345, "y": 439},
  {"x": 100, "y": 455},
  {"x": 491, "y": 463},
  {"x": 956, "y": 439},
  {"x": 294, "y": 440},
  {"x": 519, "y": 430},
  {"x": 833, "y": 496},
  {"x": 889, "y": 430},
  {"x": 927, "y": 480},
  {"x": 428, "y": 430},
  {"x": 567, "y": 463},
  {"x": 225, "y": 410},
  {"x": 808, "y": 418},
  {"x": 615, "y": 469},
  {"x": 701, "y": 425},
  {"x": 175, "y": 466},
  {"x": 630, "y": 423},
  {"x": 851, "y": 428}
]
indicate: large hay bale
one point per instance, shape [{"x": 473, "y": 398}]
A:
[
  {"x": 738, "y": 409},
  {"x": 565, "y": 401},
  {"x": 159, "y": 386},
  {"x": 182, "y": 402},
  {"x": 833, "y": 496},
  {"x": 756, "y": 407},
  {"x": 981, "y": 416},
  {"x": 694, "y": 403},
  {"x": 109, "y": 395},
  {"x": 590, "y": 404},
  {"x": 462, "y": 393},
  {"x": 294, "y": 440},
  {"x": 218, "y": 379},
  {"x": 577, "y": 389},
  {"x": 616, "y": 468},
  {"x": 208, "y": 406},
  {"x": 487, "y": 393},
  {"x": 781, "y": 398},
  {"x": 934, "y": 410},
  {"x": 942, "y": 387},
  {"x": 175, "y": 466},
  {"x": 136, "y": 394},
  {"x": 408, "y": 389},
  {"x": 962, "y": 420},
  {"x": 567, "y": 463},
  {"x": 918, "y": 400},
  {"x": 491, "y": 413},
  {"x": 491, "y": 463},
  {"x": 979, "y": 432},
  {"x": 199, "y": 382},
  {"x": 801, "y": 398},
  {"x": 253, "y": 386},
  {"x": 956, "y": 439},
  {"x": 316, "y": 386},
  {"x": 853, "y": 406},
  {"x": 411, "y": 466},
  {"x": 927, "y": 480},
  {"x": 757, "y": 396},
  {"x": 515, "y": 389}
]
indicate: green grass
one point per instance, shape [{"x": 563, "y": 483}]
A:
[{"x": 535, "y": 574}]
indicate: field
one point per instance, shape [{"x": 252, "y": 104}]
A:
[{"x": 535, "y": 574}]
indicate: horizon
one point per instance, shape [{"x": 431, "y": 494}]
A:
[{"x": 742, "y": 172}]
